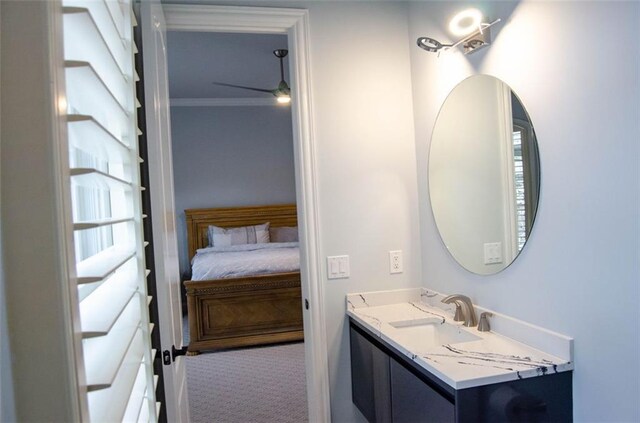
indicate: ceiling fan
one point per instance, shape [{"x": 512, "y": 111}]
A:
[{"x": 282, "y": 92}]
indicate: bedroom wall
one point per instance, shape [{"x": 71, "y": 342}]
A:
[
  {"x": 230, "y": 156},
  {"x": 578, "y": 274}
]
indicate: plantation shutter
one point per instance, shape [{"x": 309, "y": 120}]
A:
[
  {"x": 105, "y": 193},
  {"x": 518, "y": 175}
]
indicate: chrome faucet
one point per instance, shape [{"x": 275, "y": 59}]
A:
[{"x": 464, "y": 309}]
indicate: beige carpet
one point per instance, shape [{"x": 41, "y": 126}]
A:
[{"x": 260, "y": 384}]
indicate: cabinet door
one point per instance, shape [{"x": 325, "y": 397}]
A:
[
  {"x": 370, "y": 379},
  {"x": 415, "y": 401}
]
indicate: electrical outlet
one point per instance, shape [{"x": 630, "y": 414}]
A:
[{"x": 395, "y": 261}]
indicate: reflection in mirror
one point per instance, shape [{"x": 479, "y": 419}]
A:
[{"x": 484, "y": 174}]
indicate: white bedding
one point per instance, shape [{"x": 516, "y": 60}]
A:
[{"x": 245, "y": 260}]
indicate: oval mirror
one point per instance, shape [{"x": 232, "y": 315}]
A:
[{"x": 484, "y": 174}]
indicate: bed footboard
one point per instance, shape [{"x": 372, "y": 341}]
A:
[{"x": 240, "y": 312}]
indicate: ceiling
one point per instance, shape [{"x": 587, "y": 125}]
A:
[{"x": 196, "y": 59}]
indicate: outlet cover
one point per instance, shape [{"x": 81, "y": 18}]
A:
[{"x": 395, "y": 261}]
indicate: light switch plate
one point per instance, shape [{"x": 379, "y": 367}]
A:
[
  {"x": 338, "y": 267},
  {"x": 492, "y": 252}
]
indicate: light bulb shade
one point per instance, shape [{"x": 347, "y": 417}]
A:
[
  {"x": 429, "y": 44},
  {"x": 283, "y": 99},
  {"x": 465, "y": 22}
]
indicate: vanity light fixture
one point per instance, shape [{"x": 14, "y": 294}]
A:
[{"x": 466, "y": 24}]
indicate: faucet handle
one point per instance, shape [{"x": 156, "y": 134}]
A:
[
  {"x": 459, "y": 316},
  {"x": 484, "y": 326}
]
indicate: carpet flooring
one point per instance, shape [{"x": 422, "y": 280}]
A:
[{"x": 258, "y": 384}]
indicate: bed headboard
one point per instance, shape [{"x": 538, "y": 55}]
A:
[{"x": 198, "y": 220}]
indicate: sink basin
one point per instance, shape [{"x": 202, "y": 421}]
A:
[
  {"x": 402, "y": 324},
  {"x": 429, "y": 332}
]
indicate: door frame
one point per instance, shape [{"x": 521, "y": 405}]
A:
[{"x": 295, "y": 24}]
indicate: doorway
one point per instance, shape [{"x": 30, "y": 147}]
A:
[
  {"x": 233, "y": 158},
  {"x": 293, "y": 23}
]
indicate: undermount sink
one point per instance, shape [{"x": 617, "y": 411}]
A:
[{"x": 430, "y": 332}]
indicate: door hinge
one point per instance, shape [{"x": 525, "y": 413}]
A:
[
  {"x": 169, "y": 357},
  {"x": 306, "y": 304}
]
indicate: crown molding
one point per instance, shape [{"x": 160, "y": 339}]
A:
[
  {"x": 189, "y": 17},
  {"x": 222, "y": 102}
]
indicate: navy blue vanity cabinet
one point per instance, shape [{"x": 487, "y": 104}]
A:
[
  {"x": 370, "y": 379},
  {"x": 388, "y": 387},
  {"x": 413, "y": 398}
]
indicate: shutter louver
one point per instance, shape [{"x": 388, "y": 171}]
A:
[{"x": 107, "y": 217}]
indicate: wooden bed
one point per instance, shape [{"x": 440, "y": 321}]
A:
[{"x": 238, "y": 312}]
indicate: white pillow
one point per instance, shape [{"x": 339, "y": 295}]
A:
[{"x": 224, "y": 237}]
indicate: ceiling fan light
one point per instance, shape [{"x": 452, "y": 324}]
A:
[{"x": 283, "y": 99}]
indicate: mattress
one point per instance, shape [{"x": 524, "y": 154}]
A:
[{"x": 245, "y": 260}]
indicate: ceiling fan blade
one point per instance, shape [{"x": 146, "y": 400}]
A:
[{"x": 244, "y": 87}]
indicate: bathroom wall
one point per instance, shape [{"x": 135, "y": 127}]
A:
[
  {"x": 363, "y": 123},
  {"x": 577, "y": 72},
  {"x": 230, "y": 156}
]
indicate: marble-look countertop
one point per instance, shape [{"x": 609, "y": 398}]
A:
[{"x": 511, "y": 350}]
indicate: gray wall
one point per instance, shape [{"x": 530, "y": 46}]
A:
[
  {"x": 578, "y": 274},
  {"x": 230, "y": 156}
]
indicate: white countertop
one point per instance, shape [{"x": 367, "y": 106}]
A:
[{"x": 529, "y": 351}]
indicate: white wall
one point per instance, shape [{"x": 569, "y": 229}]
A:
[
  {"x": 230, "y": 156},
  {"x": 577, "y": 74},
  {"x": 363, "y": 122}
]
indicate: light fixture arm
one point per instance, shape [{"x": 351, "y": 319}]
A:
[{"x": 470, "y": 43}]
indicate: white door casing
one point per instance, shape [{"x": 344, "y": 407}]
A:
[
  {"x": 294, "y": 23},
  {"x": 165, "y": 244}
]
